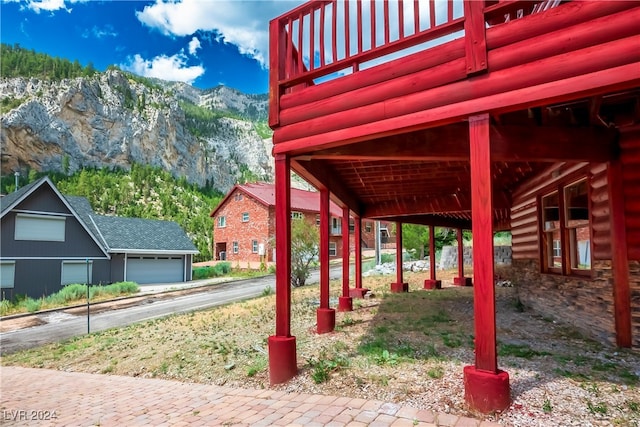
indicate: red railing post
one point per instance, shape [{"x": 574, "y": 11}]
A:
[{"x": 475, "y": 37}]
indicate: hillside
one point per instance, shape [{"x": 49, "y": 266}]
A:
[{"x": 60, "y": 117}]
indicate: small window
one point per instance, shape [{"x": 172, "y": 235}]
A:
[
  {"x": 245, "y": 216},
  {"x": 236, "y": 247},
  {"x": 77, "y": 272},
  {"x": 318, "y": 219},
  {"x": 222, "y": 221},
  {"x": 367, "y": 227},
  {"x": 254, "y": 246},
  {"x": 41, "y": 228},
  {"x": 297, "y": 215},
  {"x": 566, "y": 230},
  {"x": 7, "y": 274},
  {"x": 352, "y": 225},
  {"x": 237, "y": 197},
  {"x": 333, "y": 249}
]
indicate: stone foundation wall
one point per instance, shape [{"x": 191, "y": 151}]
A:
[
  {"x": 634, "y": 275},
  {"x": 449, "y": 256},
  {"x": 583, "y": 302}
]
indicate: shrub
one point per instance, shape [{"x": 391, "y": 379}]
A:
[
  {"x": 33, "y": 304},
  {"x": 222, "y": 268}
]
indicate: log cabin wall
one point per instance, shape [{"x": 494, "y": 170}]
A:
[{"x": 582, "y": 301}]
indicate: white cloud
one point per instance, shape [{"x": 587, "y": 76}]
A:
[
  {"x": 100, "y": 33},
  {"x": 171, "y": 68},
  {"x": 194, "y": 45},
  {"x": 244, "y": 24},
  {"x": 50, "y": 5}
]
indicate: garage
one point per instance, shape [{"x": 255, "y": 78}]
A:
[{"x": 155, "y": 269}]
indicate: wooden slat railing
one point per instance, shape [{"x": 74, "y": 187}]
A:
[{"x": 314, "y": 41}]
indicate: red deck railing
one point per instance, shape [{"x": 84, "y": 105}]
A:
[{"x": 325, "y": 39}]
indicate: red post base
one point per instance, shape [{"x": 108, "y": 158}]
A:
[
  {"x": 462, "y": 281},
  {"x": 358, "y": 292},
  {"x": 345, "y": 304},
  {"x": 282, "y": 359},
  {"x": 432, "y": 284},
  {"x": 486, "y": 392},
  {"x": 326, "y": 318},
  {"x": 400, "y": 287}
]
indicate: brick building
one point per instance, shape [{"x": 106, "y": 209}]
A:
[{"x": 244, "y": 223}]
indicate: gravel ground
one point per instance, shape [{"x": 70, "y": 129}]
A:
[{"x": 404, "y": 348}]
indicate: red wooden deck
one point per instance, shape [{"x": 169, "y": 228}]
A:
[
  {"x": 392, "y": 140},
  {"x": 435, "y": 113}
]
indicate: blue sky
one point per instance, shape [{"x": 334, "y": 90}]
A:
[{"x": 201, "y": 42}]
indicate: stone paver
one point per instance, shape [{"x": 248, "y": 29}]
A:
[{"x": 44, "y": 397}]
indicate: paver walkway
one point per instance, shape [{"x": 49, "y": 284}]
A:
[{"x": 29, "y": 396}]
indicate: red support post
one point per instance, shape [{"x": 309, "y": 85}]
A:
[
  {"x": 399, "y": 285},
  {"x": 461, "y": 280},
  {"x": 486, "y": 387},
  {"x": 345, "y": 302},
  {"x": 282, "y": 346},
  {"x": 358, "y": 291},
  {"x": 326, "y": 317},
  {"x": 432, "y": 283},
  {"x": 475, "y": 37},
  {"x": 620, "y": 257}
]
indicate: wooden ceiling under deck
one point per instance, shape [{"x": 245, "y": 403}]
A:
[{"x": 424, "y": 177}]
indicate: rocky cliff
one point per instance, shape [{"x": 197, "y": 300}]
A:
[{"x": 115, "y": 119}]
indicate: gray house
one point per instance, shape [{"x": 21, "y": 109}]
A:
[{"x": 49, "y": 240}]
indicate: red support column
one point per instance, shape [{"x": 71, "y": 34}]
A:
[
  {"x": 461, "y": 280},
  {"x": 358, "y": 291},
  {"x": 486, "y": 387},
  {"x": 282, "y": 346},
  {"x": 326, "y": 317},
  {"x": 345, "y": 303},
  {"x": 399, "y": 285},
  {"x": 619, "y": 257},
  {"x": 432, "y": 283}
]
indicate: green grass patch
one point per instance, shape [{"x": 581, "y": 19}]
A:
[
  {"x": 69, "y": 295},
  {"x": 520, "y": 350}
]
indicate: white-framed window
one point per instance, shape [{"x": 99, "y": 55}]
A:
[
  {"x": 76, "y": 272},
  {"x": 297, "y": 215},
  {"x": 222, "y": 221},
  {"x": 317, "y": 219},
  {"x": 7, "y": 274},
  {"x": 236, "y": 247},
  {"x": 333, "y": 249},
  {"x": 367, "y": 227},
  {"x": 245, "y": 216},
  {"x": 43, "y": 228},
  {"x": 254, "y": 246},
  {"x": 557, "y": 249}
]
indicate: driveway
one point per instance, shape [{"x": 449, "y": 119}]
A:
[{"x": 160, "y": 301}]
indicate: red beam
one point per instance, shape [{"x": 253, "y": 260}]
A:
[
  {"x": 358, "y": 242},
  {"x": 460, "y": 254},
  {"x": 324, "y": 248},
  {"x": 432, "y": 252},
  {"x": 600, "y": 82},
  {"x": 620, "y": 259},
  {"x": 345, "y": 252},
  {"x": 482, "y": 210},
  {"x": 283, "y": 242},
  {"x": 508, "y": 143},
  {"x": 399, "y": 278},
  {"x": 475, "y": 38}
]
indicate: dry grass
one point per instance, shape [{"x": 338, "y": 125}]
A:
[{"x": 406, "y": 348}]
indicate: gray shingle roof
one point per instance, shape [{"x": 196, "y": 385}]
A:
[
  {"x": 9, "y": 199},
  {"x": 143, "y": 234}
]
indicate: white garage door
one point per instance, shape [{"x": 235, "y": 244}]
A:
[{"x": 151, "y": 269}]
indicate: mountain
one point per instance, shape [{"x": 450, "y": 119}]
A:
[{"x": 213, "y": 138}]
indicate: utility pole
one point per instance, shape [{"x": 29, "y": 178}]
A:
[
  {"x": 378, "y": 243},
  {"x": 17, "y": 175}
]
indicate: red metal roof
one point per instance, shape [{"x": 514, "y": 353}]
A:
[{"x": 265, "y": 193}]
